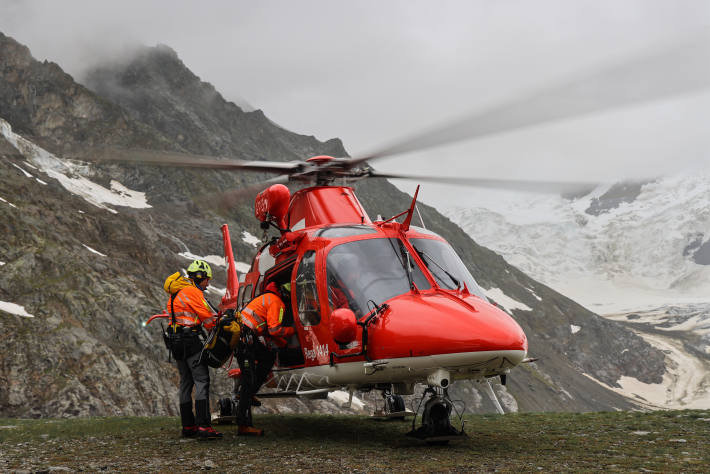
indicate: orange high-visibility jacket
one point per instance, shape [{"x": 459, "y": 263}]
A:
[
  {"x": 264, "y": 315},
  {"x": 191, "y": 308}
]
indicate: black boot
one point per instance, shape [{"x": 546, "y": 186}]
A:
[
  {"x": 202, "y": 415},
  {"x": 189, "y": 428}
]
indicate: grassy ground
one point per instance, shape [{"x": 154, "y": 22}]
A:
[{"x": 657, "y": 441}]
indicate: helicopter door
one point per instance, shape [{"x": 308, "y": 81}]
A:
[
  {"x": 306, "y": 292},
  {"x": 291, "y": 354}
]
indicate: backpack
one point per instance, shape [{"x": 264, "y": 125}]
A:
[
  {"x": 175, "y": 283},
  {"x": 220, "y": 344},
  {"x": 180, "y": 343}
]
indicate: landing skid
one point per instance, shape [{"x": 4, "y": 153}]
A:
[
  {"x": 381, "y": 415},
  {"x": 223, "y": 420}
]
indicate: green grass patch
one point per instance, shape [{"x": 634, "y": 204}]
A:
[{"x": 656, "y": 441}]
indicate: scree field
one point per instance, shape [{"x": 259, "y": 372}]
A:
[{"x": 661, "y": 441}]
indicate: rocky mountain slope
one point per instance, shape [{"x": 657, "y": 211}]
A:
[{"x": 86, "y": 247}]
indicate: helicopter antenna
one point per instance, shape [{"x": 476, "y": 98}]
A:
[
  {"x": 410, "y": 212},
  {"x": 420, "y": 216}
]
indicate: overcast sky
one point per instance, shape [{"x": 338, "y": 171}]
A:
[{"x": 371, "y": 72}]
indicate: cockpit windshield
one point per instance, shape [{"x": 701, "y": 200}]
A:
[
  {"x": 370, "y": 270},
  {"x": 445, "y": 265}
]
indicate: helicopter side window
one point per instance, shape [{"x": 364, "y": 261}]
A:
[
  {"x": 240, "y": 295},
  {"x": 306, "y": 293},
  {"x": 244, "y": 294},
  {"x": 370, "y": 270},
  {"x": 445, "y": 265}
]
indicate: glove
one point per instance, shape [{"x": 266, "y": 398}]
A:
[
  {"x": 234, "y": 314},
  {"x": 226, "y": 321}
]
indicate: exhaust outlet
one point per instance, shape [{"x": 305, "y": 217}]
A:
[{"x": 441, "y": 378}]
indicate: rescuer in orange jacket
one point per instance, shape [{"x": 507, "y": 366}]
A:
[
  {"x": 263, "y": 331},
  {"x": 189, "y": 311}
]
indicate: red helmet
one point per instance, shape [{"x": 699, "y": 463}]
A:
[{"x": 271, "y": 287}]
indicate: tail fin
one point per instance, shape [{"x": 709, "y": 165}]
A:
[{"x": 229, "y": 300}]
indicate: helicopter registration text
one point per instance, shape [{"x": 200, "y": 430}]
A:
[{"x": 317, "y": 352}]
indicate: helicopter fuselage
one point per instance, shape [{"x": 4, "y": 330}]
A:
[{"x": 419, "y": 315}]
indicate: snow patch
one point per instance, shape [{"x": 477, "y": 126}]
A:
[
  {"x": 40, "y": 181},
  {"x": 250, "y": 239},
  {"x": 2, "y": 263},
  {"x": 216, "y": 290},
  {"x": 27, "y": 175},
  {"x": 242, "y": 267},
  {"x": 212, "y": 259},
  {"x": 15, "y": 309},
  {"x": 654, "y": 393},
  {"x": 70, "y": 176},
  {"x": 8, "y": 202},
  {"x": 341, "y": 397},
  {"x": 534, "y": 294},
  {"x": 508, "y": 303},
  {"x": 574, "y": 329},
  {"x": 698, "y": 324},
  {"x": 94, "y": 251}
]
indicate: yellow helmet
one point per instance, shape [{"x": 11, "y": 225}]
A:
[{"x": 199, "y": 269}]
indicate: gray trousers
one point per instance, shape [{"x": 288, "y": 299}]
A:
[{"x": 192, "y": 373}]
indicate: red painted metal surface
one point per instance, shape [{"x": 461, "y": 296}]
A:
[
  {"x": 272, "y": 204},
  {"x": 321, "y": 205},
  {"x": 343, "y": 326},
  {"x": 320, "y": 159},
  {"x": 229, "y": 300},
  {"x": 157, "y": 316},
  {"x": 432, "y": 323}
]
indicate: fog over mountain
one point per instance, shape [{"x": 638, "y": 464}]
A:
[{"x": 371, "y": 73}]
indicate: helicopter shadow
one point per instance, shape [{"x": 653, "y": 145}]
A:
[{"x": 370, "y": 433}]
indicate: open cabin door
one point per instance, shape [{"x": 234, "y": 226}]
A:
[{"x": 292, "y": 354}]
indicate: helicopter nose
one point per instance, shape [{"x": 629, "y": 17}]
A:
[{"x": 429, "y": 324}]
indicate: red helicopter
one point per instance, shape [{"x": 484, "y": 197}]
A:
[
  {"x": 383, "y": 304},
  {"x": 376, "y": 305}
]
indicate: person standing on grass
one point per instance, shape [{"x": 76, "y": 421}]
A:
[{"x": 189, "y": 312}]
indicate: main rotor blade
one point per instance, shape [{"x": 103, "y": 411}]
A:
[
  {"x": 167, "y": 158},
  {"x": 679, "y": 69},
  {"x": 229, "y": 199},
  {"x": 555, "y": 187}
]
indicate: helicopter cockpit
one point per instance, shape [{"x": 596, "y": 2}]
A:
[{"x": 366, "y": 272}]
